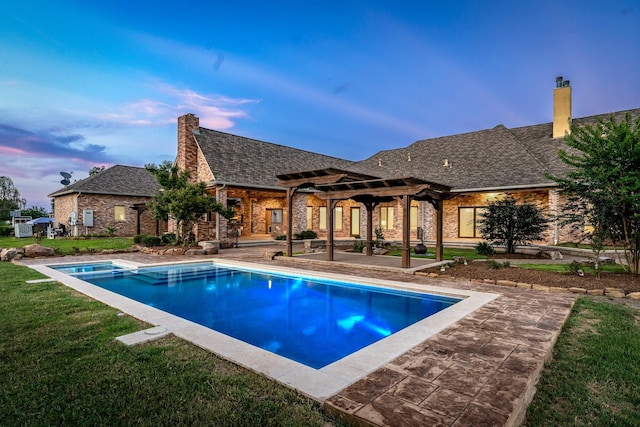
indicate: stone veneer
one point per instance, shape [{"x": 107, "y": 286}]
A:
[{"x": 104, "y": 214}]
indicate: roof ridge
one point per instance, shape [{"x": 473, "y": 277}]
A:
[{"x": 270, "y": 143}]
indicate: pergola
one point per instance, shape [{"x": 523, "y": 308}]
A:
[{"x": 334, "y": 185}]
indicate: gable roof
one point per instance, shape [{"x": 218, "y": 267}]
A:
[
  {"x": 117, "y": 180},
  {"x": 243, "y": 161},
  {"x": 498, "y": 158}
]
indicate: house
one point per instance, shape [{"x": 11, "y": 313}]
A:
[
  {"x": 474, "y": 168},
  {"x": 115, "y": 197}
]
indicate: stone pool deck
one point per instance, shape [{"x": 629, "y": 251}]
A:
[{"x": 482, "y": 370}]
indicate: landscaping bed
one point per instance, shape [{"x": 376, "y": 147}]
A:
[{"x": 482, "y": 270}]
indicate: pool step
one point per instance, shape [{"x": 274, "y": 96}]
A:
[{"x": 159, "y": 278}]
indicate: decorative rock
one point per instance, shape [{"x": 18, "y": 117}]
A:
[
  {"x": 597, "y": 292},
  {"x": 614, "y": 292},
  {"x": 190, "y": 252},
  {"x": 7, "y": 254},
  {"x": 380, "y": 251},
  {"x": 211, "y": 251},
  {"x": 540, "y": 287},
  {"x": 523, "y": 285},
  {"x": 175, "y": 251},
  {"x": 555, "y": 255},
  {"x": 433, "y": 274},
  {"x": 634, "y": 295},
  {"x": 508, "y": 283},
  {"x": 489, "y": 281},
  {"x": 270, "y": 255},
  {"x": 577, "y": 290},
  {"x": 557, "y": 289},
  {"x": 36, "y": 250}
]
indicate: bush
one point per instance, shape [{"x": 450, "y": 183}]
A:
[
  {"x": 306, "y": 234},
  {"x": 281, "y": 237},
  {"x": 151, "y": 241},
  {"x": 358, "y": 246},
  {"x": 6, "y": 230},
  {"x": 484, "y": 248},
  {"x": 169, "y": 239},
  {"x": 574, "y": 268},
  {"x": 137, "y": 239}
]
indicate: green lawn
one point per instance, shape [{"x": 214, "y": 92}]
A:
[
  {"x": 448, "y": 253},
  {"x": 594, "y": 377},
  {"x": 61, "y": 365},
  {"x": 68, "y": 246},
  {"x": 562, "y": 268}
]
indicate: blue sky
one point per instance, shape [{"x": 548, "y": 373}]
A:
[{"x": 88, "y": 84}]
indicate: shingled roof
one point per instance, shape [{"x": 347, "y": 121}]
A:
[
  {"x": 117, "y": 180},
  {"x": 243, "y": 161},
  {"x": 497, "y": 158}
]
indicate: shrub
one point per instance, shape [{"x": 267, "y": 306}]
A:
[
  {"x": 169, "y": 239},
  {"x": 306, "y": 234},
  {"x": 485, "y": 248},
  {"x": 574, "y": 268},
  {"x": 151, "y": 241},
  {"x": 6, "y": 230},
  {"x": 281, "y": 237},
  {"x": 137, "y": 239},
  {"x": 358, "y": 246},
  {"x": 495, "y": 265}
]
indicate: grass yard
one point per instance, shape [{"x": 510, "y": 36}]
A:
[
  {"x": 562, "y": 268},
  {"x": 61, "y": 365},
  {"x": 448, "y": 253},
  {"x": 594, "y": 377},
  {"x": 70, "y": 246}
]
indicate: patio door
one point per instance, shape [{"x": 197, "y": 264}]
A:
[{"x": 273, "y": 217}]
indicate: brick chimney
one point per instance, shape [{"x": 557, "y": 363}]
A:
[
  {"x": 187, "y": 157},
  {"x": 561, "y": 108}
]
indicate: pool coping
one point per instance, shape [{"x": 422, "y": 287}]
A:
[{"x": 318, "y": 384}]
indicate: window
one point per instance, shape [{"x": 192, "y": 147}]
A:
[
  {"x": 386, "y": 218},
  {"x": 118, "y": 213},
  {"x": 337, "y": 218},
  {"x": 355, "y": 221},
  {"x": 276, "y": 216},
  {"x": 468, "y": 222},
  {"x": 413, "y": 218},
  {"x": 323, "y": 218},
  {"x": 309, "y": 218}
]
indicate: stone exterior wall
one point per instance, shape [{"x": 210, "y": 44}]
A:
[
  {"x": 103, "y": 207},
  {"x": 62, "y": 208}
]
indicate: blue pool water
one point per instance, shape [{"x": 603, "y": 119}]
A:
[
  {"x": 74, "y": 269},
  {"x": 312, "y": 321}
]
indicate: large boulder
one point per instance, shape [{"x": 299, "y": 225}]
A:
[
  {"x": 36, "y": 250},
  {"x": 8, "y": 254}
]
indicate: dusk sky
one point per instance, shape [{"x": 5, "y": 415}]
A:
[{"x": 88, "y": 84}]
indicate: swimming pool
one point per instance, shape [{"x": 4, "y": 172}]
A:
[
  {"x": 318, "y": 384},
  {"x": 309, "y": 320}
]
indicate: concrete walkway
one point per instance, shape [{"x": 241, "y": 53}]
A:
[{"x": 482, "y": 370}]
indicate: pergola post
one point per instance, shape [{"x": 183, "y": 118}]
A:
[
  {"x": 369, "y": 206},
  {"x": 290, "y": 193},
  {"x": 406, "y": 231},
  {"x": 330, "y": 205},
  {"x": 439, "y": 205}
]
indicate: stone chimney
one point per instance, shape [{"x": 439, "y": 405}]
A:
[
  {"x": 561, "y": 108},
  {"x": 187, "y": 157}
]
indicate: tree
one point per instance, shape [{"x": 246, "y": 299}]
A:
[
  {"x": 10, "y": 199},
  {"x": 96, "y": 169},
  {"x": 181, "y": 200},
  {"x": 34, "y": 212},
  {"x": 603, "y": 185},
  {"x": 506, "y": 223}
]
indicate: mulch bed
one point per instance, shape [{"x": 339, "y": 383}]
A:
[{"x": 481, "y": 270}]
